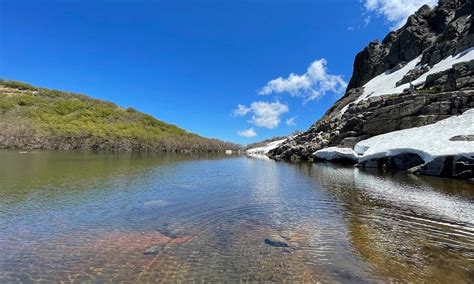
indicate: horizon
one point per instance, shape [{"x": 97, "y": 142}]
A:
[{"x": 240, "y": 72}]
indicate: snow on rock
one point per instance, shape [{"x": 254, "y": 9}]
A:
[
  {"x": 385, "y": 83},
  {"x": 335, "y": 153},
  {"x": 265, "y": 149},
  {"x": 429, "y": 141}
]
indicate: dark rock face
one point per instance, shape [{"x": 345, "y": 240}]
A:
[
  {"x": 447, "y": 166},
  {"x": 400, "y": 162},
  {"x": 413, "y": 75},
  {"x": 433, "y": 34},
  {"x": 461, "y": 76}
]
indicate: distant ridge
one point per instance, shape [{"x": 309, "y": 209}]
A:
[{"x": 39, "y": 118}]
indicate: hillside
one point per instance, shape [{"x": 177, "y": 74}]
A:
[
  {"x": 418, "y": 75},
  {"x": 39, "y": 118}
]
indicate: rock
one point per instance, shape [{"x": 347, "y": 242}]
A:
[
  {"x": 462, "y": 138},
  {"x": 413, "y": 75},
  {"x": 447, "y": 166},
  {"x": 460, "y": 76},
  {"x": 350, "y": 142},
  {"x": 153, "y": 250},
  {"x": 402, "y": 162},
  {"x": 275, "y": 243}
]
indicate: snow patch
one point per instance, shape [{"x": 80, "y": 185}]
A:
[
  {"x": 332, "y": 153},
  {"x": 429, "y": 141},
  {"x": 265, "y": 149}
]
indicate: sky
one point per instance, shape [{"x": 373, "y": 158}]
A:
[{"x": 240, "y": 71}]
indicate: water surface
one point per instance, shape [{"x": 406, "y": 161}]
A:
[{"x": 73, "y": 217}]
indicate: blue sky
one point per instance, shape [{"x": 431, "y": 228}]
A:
[{"x": 210, "y": 67}]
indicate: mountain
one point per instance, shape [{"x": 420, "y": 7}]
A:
[
  {"x": 418, "y": 75},
  {"x": 39, "y": 118}
]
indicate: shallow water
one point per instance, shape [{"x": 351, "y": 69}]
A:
[{"x": 147, "y": 218}]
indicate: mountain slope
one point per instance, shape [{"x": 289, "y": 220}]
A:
[
  {"x": 418, "y": 75},
  {"x": 38, "y": 118}
]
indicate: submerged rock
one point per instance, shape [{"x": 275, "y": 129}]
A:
[
  {"x": 153, "y": 250},
  {"x": 276, "y": 243}
]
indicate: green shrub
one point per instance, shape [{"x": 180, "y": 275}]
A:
[
  {"x": 17, "y": 85},
  {"x": 6, "y": 104},
  {"x": 60, "y": 114}
]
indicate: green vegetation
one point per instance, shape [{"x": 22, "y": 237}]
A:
[
  {"x": 432, "y": 90},
  {"x": 32, "y": 117}
]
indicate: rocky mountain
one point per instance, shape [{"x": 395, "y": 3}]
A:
[
  {"x": 39, "y": 118},
  {"x": 418, "y": 75}
]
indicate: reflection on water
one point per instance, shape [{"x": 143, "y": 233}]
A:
[{"x": 82, "y": 216}]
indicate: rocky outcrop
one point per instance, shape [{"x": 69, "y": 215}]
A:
[
  {"x": 430, "y": 35},
  {"x": 459, "y": 77},
  {"x": 373, "y": 117},
  {"x": 434, "y": 33}
]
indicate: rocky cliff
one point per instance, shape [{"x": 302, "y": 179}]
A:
[{"x": 418, "y": 75}]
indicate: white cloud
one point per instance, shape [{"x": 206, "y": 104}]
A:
[
  {"x": 396, "y": 11},
  {"x": 247, "y": 133},
  {"x": 367, "y": 21},
  {"x": 241, "y": 110},
  {"x": 316, "y": 82},
  {"x": 265, "y": 114},
  {"x": 291, "y": 121}
]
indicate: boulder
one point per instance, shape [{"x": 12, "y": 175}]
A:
[
  {"x": 400, "y": 162},
  {"x": 447, "y": 166}
]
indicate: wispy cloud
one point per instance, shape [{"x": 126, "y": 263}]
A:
[
  {"x": 367, "y": 21},
  {"x": 264, "y": 114},
  {"x": 396, "y": 11},
  {"x": 291, "y": 121},
  {"x": 249, "y": 133},
  {"x": 316, "y": 82}
]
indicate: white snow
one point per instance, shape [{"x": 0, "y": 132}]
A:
[
  {"x": 385, "y": 83},
  {"x": 332, "y": 153},
  {"x": 429, "y": 141},
  {"x": 265, "y": 149}
]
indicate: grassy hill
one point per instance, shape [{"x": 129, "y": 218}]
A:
[{"x": 39, "y": 118}]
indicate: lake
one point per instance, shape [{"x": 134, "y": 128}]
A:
[{"x": 75, "y": 216}]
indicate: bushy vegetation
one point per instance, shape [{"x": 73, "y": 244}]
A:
[
  {"x": 432, "y": 90},
  {"x": 72, "y": 121}
]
